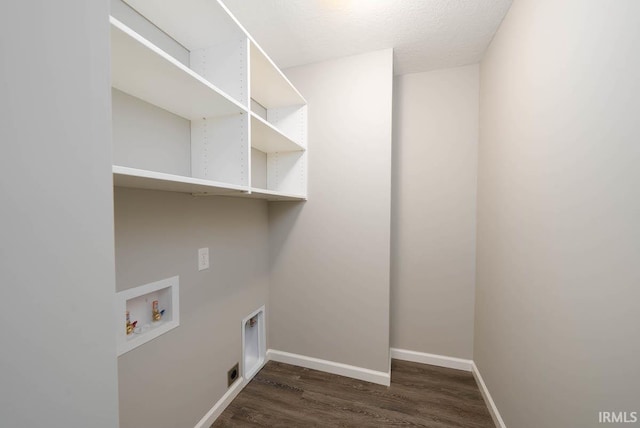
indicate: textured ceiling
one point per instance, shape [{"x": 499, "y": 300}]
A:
[{"x": 425, "y": 34}]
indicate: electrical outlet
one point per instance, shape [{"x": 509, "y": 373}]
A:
[
  {"x": 203, "y": 258},
  {"x": 232, "y": 375}
]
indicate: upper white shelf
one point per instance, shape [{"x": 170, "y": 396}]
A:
[
  {"x": 267, "y": 138},
  {"x": 269, "y": 86},
  {"x": 195, "y": 24},
  {"x": 142, "y": 179},
  {"x": 198, "y": 24},
  {"x": 143, "y": 70}
]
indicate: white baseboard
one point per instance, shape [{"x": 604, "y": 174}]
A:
[
  {"x": 493, "y": 410},
  {"x": 453, "y": 363},
  {"x": 432, "y": 359},
  {"x": 222, "y": 404},
  {"x": 359, "y": 373}
]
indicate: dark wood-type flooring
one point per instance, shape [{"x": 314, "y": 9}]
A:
[{"x": 420, "y": 395}]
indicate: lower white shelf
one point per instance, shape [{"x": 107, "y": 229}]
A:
[
  {"x": 142, "y": 179},
  {"x": 135, "y": 307},
  {"x": 267, "y": 138},
  {"x": 272, "y": 195}
]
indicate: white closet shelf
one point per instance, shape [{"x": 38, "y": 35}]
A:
[
  {"x": 267, "y": 138},
  {"x": 269, "y": 86},
  {"x": 143, "y": 70},
  {"x": 142, "y": 179},
  {"x": 272, "y": 195},
  {"x": 196, "y": 23}
]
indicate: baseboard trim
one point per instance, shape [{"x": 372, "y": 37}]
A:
[
  {"x": 359, "y": 373},
  {"x": 432, "y": 359},
  {"x": 354, "y": 372},
  {"x": 493, "y": 410},
  {"x": 222, "y": 404}
]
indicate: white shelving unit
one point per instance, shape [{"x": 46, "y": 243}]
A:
[
  {"x": 138, "y": 302},
  {"x": 225, "y": 74},
  {"x": 285, "y": 111}
]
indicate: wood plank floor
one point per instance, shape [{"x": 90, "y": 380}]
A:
[{"x": 420, "y": 395}]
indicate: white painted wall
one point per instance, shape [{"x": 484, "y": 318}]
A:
[
  {"x": 329, "y": 283},
  {"x": 148, "y": 137},
  {"x": 434, "y": 211},
  {"x": 557, "y": 320},
  {"x": 58, "y": 355},
  {"x": 173, "y": 380}
]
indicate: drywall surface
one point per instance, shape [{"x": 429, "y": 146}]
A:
[
  {"x": 329, "y": 256},
  {"x": 148, "y": 137},
  {"x": 58, "y": 356},
  {"x": 557, "y": 320},
  {"x": 434, "y": 211},
  {"x": 173, "y": 380}
]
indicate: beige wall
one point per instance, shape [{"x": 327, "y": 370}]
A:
[
  {"x": 434, "y": 211},
  {"x": 57, "y": 344},
  {"x": 557, "y": 320},
  {"x": 174, "y": 380},
  {"x": 329, "y": 284}
]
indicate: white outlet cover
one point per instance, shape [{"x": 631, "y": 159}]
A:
[{"x": 203, "y": 258}]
